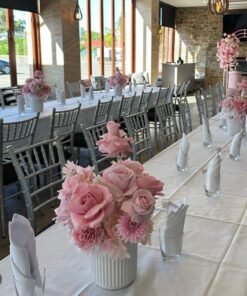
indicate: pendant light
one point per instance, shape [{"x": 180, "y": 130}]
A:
[
  {"x": 77, "y": 12},
  {"x": 218, "y": 6}
]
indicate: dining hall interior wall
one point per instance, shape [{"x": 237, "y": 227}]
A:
[
  {"x": 59, "y": 42},
  {"x": 197, "y": 33},
  {"x": 147, "y": 37}
]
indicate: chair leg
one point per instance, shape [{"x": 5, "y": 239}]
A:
[{"x": 2, "y": 216}]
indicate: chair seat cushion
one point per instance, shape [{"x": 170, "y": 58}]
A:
[{"x": 79, "y": 140}]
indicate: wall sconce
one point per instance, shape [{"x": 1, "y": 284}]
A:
[
  {"x": 218, "y": 6},
  {"x": 77, "y": 12}
]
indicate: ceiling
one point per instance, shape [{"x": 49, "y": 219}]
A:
[{"x": 234, "y": 4}]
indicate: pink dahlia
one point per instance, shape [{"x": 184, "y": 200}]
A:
[
  {"x": 134, "y": 232},
  {"x": 87, "y": 239}
]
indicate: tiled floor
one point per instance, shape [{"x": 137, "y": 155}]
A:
[{"x": 18, "y": 206}]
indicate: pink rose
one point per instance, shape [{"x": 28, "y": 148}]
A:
[
  {"x": 121, "y": 180},
  {"x": 142, "y": 204},
  {"x": 136, "y": 166},
  {"x": 89, "y": 205},
  {"x": 150, "y": 183},
  {"x": 114, "y": 146},
  {"x": 113, "y": 128},
  {"x": 88, "y": 238}
]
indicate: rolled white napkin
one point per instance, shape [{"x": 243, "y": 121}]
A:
[
  {"x": 107, "y": 86},
  {"x": 82, "y": 91},
  {"x": 130, "y": 87},
  {"x": 134, "y": 83},
  {"x": 174, "y": 228},
  {"x": 90, "y": 93},
  {"x": 183, "y": 153},
  {"x": 144, "y": 84},
  {"x": 23, "y": 257},
  {"x": 212, "y": 175},
  {"x": 236, "y": 144},
  {"x": 62, "y": 97},
  {"x": 206, "y": 134},
  {"x": 58, "y": 94},
  {"x": 20, "y": 104},
  {"x": 222, "y": 119}
]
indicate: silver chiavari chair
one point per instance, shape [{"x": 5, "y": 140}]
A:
[
  {"x": 125, "y": 107},
  {"x": 185, "y": 115},
  {"x": 144, "y": 100},
  {"x": 102, "y": 112},
  {"x": 73, "y": 88}
]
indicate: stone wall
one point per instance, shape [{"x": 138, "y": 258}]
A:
[{"x": 197, "y": 32}]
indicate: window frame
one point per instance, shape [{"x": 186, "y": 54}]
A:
[{"x": 35, "y": 34}]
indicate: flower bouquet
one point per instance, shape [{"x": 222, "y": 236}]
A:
[
  {"x": 37, "y": 90},
  {"x": 227, "y": 51},
  {"x": 110, "y": 213},
  {"x": 243, "y": 87},
  {"x": 234, "y": 110},
  {"x": 118, "y": 82},
  {"x": 37, "y": 86}
]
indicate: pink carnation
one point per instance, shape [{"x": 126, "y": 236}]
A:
[{"x": 88, "y": 238}]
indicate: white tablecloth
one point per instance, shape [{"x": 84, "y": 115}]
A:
[
  {"x": 213, "y": 261},
  {"x": 10, "y": 114}
]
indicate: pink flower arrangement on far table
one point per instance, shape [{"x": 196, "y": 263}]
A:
[
  {"x": 227, "y": 51},
  {"x": 118, "y": 79},
  {"x": 37, "y": 86},
  {"x": 234, "y": 107},
  {"x": 115, "y": 143},
  {"x": 107, "y": 211},
  {"x": 243, "y": 85}
]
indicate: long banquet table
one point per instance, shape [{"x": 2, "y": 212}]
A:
[
  {"x": 9, "y": 114},
  {"x": 213, "y": 261}
]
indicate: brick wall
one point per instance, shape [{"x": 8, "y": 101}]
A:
[{"x": 197, "y": 32}]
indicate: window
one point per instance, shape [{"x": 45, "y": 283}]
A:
[
  {"x": 105, "y": 35},
  {"x": 166, "y": 47},
  {"x": 18, "y": 46}
]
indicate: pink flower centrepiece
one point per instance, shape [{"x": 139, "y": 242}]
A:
[
  {"x": 117, "y": 79},
  {"x": 114, "y": 143},
  {"x": 36, "y": 86},
  {"x": 234, "y": 106},
  {"x": 227, "y": 51},
  {"x": 107, "y": 211},
  {"x": 110, "y": 210}
]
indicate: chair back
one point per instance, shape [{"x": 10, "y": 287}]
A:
[
  {"x": 138, "y": 128},
  {"x": 200, "y": 105},
  {"x": 102, "y": 111},
  {"x": 185, "y": 115},
  {"x": 63, "y": 122},
  {"x": 73, "y": 88},
  {"x": 168, "y": 125},
  {"x": 169, "y": 94},
  {"x": 19, "y": 133},
  {"x": 144, "y": 100},
  {"x": 216, "y": 97},
  {"x": 92, "y": 135},
  {"x": 39, "y": 169},
  {"x": 125, "y": 106},
  {"x": 161, "y": 98},
  {"x": 209, "y": 102}
]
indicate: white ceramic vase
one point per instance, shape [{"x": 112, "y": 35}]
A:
[
  {"x": 36, "y": 103},
  {"x": 118, "y": 90},
  {"x": 234, "y": 125},
  {"x": 113, "y": 274}
]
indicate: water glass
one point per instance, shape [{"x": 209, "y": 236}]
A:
[{"x": 170, "y": 247}]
